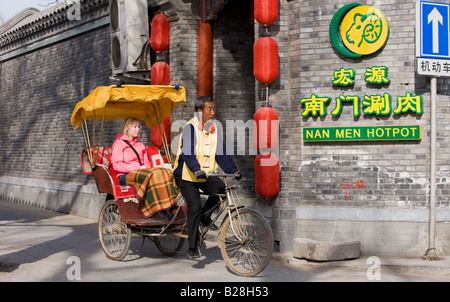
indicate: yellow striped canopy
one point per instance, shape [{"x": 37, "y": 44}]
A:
[{"x": 149, "y": 103}]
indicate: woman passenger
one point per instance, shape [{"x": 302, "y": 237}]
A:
[{"x": 155, "y": 186}]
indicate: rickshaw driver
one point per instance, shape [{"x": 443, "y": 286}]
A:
[{"x": 201, "y": 151}]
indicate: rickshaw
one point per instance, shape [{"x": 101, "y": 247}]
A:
[{"x": 244, "y": 237}]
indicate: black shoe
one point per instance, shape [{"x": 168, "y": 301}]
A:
[
  {"x": 208, "y": 223},
  {"x": 193, "y": 253}
]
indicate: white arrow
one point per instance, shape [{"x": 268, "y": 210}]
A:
[{"x": 436, "y": 18}]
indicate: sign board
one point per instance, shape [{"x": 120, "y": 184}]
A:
[
  {"x": 433, "y": 67},
  {"x": 368, "y": 133},
  {"x": 433, "y": 30}
]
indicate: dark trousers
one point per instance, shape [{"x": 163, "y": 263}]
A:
[{"x": 190, "y": 192}]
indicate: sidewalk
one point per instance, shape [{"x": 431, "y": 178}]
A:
[
  {"x": 383, "y": 263},
  {"x": 37, "y": 244}
]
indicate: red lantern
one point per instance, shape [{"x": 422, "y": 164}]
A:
[
  {"x": 266, "y": 11},
  {"x": 160, "y": 73},
  {"x": 265, "y": 60},
  {"x": 267, "y": 174},
  {"x": 156, "y": 137},
  {"x": 265, "y": 132},
  {"x": 160, "y": 33}
]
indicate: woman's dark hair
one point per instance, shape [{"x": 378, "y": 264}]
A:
[{"x": 200, "y": 102}]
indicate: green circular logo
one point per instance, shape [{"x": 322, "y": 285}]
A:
[{"x": 358, "y": 30}]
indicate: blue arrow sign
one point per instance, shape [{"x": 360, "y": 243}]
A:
[{"x": 433, "y": 30}]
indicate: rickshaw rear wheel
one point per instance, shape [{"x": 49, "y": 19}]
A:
[
  {"x": 114, "y": 235},
  {"x": 169, "y": 245}
]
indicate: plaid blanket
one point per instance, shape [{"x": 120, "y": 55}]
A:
[{"x": 155, "y": 188}]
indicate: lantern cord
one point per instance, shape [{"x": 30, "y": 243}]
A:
[
  {"x": 167, "y": 16},
  {"x": 267, "y": 94},
  {"x": 266, "y": 32}
]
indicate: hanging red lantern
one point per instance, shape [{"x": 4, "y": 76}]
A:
[
  {"x": 267, "y": 174},
  {"x": 160, "y": 33},
  {"x": 266, "y": 11},
  {"x": 156, "y": 138},
  {"x": 265, "y": 132},
  {"x": 160, "y": 73},
  {"x": 265, "y": 59}
]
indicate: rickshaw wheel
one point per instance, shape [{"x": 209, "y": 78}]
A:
[
  {"x": 115, "y": 236},
  {"x": 169, "y": 245},
  {"x": 250, "y": 252}
]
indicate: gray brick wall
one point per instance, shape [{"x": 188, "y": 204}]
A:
[
  {"x": 320, "y": 182},
  {"x": 394, "y": 174},
  {"x": 39, "y": 90},
  {"x": 233, "y": 81}
]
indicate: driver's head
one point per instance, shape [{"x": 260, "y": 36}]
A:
[{"x": 205, "y": 107}]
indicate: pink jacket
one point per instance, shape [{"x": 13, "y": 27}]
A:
[{"x": 123, "y": 157}]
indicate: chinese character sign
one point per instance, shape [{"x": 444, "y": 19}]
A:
[
  {"x": 377, "y": 104},
  {"x": 315, "y": 105},
  {"x": 377, "y": 75},
  {"x": 371, "y": 104},
  {"x": 433, "y": 67},
  {"x": 344, "y": 77}
]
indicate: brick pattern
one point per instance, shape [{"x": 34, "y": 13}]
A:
[
  {"x": 394, "y": 173},
  {"x": 38, "y": 93},
  {"x": 233, "y": 81},
  {"x": 37, "y": 105},
  {"x": 39, "y": 90},
  {"x": 365, "y": 174},
  {"x": 410, "y": 239}
]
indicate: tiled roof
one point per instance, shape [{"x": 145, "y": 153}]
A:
[{"x": 31, "y": 20}]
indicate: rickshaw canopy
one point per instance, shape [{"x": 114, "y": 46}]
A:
[{"x": 149, "y": 103}]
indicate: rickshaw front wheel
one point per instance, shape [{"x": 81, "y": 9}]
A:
[
  {"x": 246, "y": 242},
  {"x": 114, "y": 235}
]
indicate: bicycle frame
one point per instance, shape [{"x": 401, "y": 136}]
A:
[{"x": 227, "y": 203}]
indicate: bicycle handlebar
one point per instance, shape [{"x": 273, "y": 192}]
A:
[{"x": 222, "y": 174}]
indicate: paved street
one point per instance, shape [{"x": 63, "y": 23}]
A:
[{"x": 40, "y": 245}]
